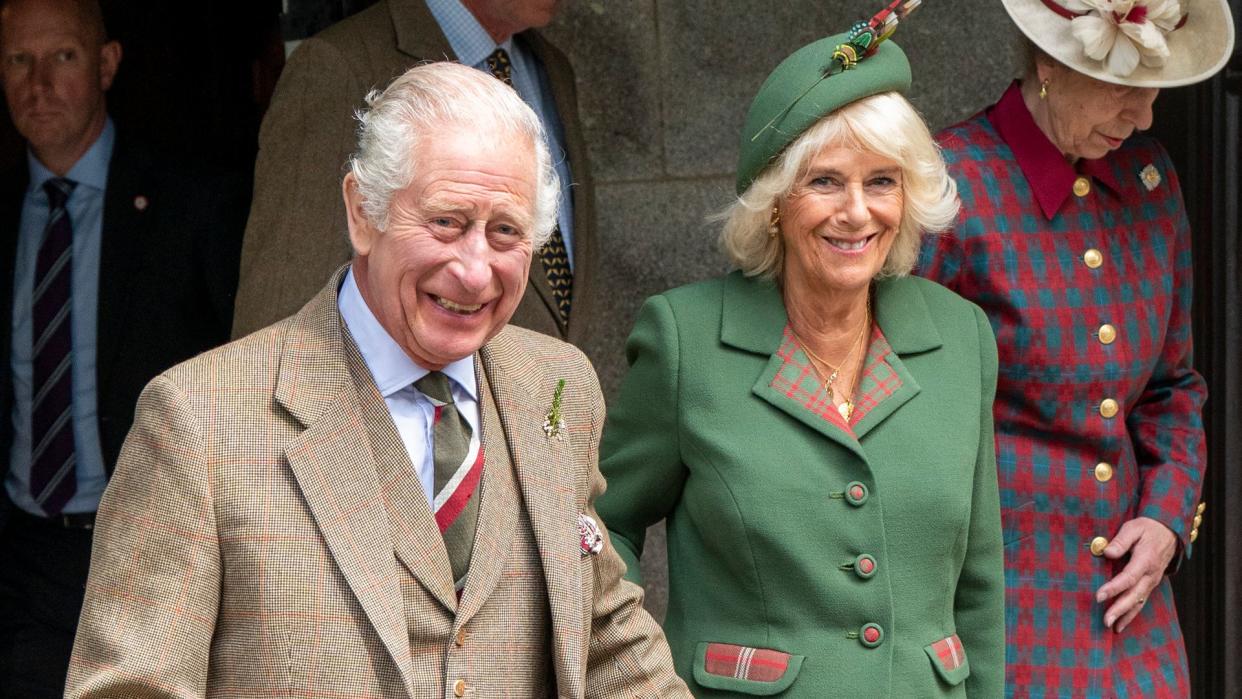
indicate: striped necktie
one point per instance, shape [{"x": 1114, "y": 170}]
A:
[
  {"x": 553, "y": 254},
  {"x": 53, "y": 478},
  {"x": 456, "y": 504}
]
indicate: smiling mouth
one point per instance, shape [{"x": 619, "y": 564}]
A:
[
  {"x": 849, "y": 245},
  {"x": 458, "y": 308}
]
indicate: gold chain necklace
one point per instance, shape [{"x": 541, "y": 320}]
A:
[{"x": 846, "y": 408}]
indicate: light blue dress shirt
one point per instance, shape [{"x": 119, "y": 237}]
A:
[
  {"x": 472, "y": 45},
  {"x": 395, "y": 373},
  {"x": 85, "y": 205}
]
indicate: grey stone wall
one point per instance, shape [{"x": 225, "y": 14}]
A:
[{"x": 663, "y": 88}]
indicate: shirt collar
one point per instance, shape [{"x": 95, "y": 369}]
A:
[
  {"x": 1049, "y": 174},
  {"x": 90, "y": 170},
  {"x": 390, "y": 367},
  {"x": 469, "y": 40}
]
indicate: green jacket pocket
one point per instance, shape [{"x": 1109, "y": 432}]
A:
[
  {"x": 757, "y": 671},
  {"x": 948, "y": 657}
]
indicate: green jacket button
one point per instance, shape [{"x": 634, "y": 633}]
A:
[
  {"x": 856, "y": 493},
  {"x": 864, "y": 566},
  {"x": 871, "y": 635}
]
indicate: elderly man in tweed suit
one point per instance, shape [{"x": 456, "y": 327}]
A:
[{"x": 389, "y": 494}]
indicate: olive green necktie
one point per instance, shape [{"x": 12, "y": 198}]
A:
[{"x": 456, "y": 503}]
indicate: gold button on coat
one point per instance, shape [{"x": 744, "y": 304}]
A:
[
  {"x": 462, "y": 635},
  {"x": 1098, "y": 544},
  {"x": 1107, "y": 334},
  {"x": 1109, "y": 407},
  {"x": 1198, "y": 520},
  {"x": 1103, "y": 472},
  {"x": 459, "y": 688},
  {"x": 1194, "y": 534},
  {"x": 1092, "y": 258},
  {"x": 1082, "y": 186},
  {"x": 1201, "y": 508}
]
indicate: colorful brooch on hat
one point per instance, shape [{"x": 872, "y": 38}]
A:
[{"x": 867, "y": 35}]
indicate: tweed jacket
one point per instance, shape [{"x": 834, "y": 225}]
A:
[
  {"x": 805, "y": 560},
  {"x": 254, "y": 543},
  {"x": 1090, "y": 304},
  {"x": 296, "y": 235}
]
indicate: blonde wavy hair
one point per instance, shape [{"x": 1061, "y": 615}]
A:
[{"x": 885, "y": 124}]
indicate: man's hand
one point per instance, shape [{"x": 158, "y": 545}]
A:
[{"x": 1151, "y": 546}]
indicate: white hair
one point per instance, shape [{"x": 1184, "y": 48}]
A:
[
  {"x": 425, "y": 100},
  {"x": 885, "y": 124}
]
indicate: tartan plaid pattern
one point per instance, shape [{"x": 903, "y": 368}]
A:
[
  {"x": 1027, "y": 271},
  {"x": 745, "y": 663},
  {"x": 264, "y": 535},
  {"x": 949, "y": 652},
  {"x": 798, "y": 380}
]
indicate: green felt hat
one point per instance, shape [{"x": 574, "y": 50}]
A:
[{"x": 797, "y": 94}]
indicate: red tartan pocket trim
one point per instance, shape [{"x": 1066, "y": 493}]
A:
[
  {"x": 757, "y": 671},
  {"x": 948, "y": 657}
]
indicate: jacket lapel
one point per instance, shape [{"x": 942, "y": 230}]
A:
[
  {"x": 544, "y": 466},
  {"x": 336, "y": 469},
  {"x": 498, "y": 508},
  {"x": 903, "y": 317},
  {"x": 125, "y": 227},
  {"x": 415, "y": 535},
  {"x": 418, "y": 34},
  {"x": 753, "y": 318}
]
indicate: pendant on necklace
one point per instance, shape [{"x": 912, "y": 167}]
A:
[{"x": 846, "y": 409}]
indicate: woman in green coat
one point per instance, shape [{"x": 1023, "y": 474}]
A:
[{"x": 816, "y": 427}]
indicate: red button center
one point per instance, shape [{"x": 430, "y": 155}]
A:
[
  {"x": 856, "y": 492},
  {"x": 866, "y": 566},
  {"x": 871, "y": 634}
]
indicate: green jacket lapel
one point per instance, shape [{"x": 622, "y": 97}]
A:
[
  {"x": 903, "y": 317},
  {"x": 753, "y": 318}
]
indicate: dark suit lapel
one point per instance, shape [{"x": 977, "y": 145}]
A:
[
  {"x": 417, "y": 32},
  {"x": 498, "y": 508},
  {"x": 336, "y": 469},
  {"x": 903, "y": 317},
  {"x": 544, "y": 466},
  {"x": 126, "y": 221}
]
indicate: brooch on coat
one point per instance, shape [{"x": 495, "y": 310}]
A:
[
  {"x": 554, "y": 424},
  {"x": 1150, "y": 177},
  {"x": 592, "y": 541}
]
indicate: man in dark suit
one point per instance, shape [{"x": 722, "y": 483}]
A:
[
  {"x": 115, "y": 267},
  {"x": 295, "y": 237}
]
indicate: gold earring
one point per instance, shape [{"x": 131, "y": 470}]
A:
[
  {"x": 774, "y": 228},
  {"x": 1043, "y": 89}
]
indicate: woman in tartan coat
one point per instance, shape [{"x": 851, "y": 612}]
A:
[
  {"x": 816, "y": 427},
  {"x": 1074, "y": 240}
]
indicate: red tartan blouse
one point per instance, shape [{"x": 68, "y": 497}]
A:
[{"x": 1085, "y": 272}]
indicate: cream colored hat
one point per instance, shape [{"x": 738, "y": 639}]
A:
[{"x": 1141, "y": 43}]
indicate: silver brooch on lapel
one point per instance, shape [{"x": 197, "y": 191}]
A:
[
  {"x": 1150, "y": 177},
  {"x": 554, "y": 424},
  {"x": 589, "y": 535}
]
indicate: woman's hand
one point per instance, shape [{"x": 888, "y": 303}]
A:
[{"x": 1151, "y": 546}]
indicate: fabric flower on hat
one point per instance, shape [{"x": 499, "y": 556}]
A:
[{"x": 1123, "y": 33}]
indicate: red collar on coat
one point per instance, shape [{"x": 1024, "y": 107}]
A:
[{"x": 1050, "y": 175}]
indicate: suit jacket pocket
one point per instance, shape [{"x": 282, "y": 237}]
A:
[
  {"x": 948, "y": 657},
  {"x": 745, "y": 670}
]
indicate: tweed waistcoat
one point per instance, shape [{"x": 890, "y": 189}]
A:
[{"x": 510, "y": 635}]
